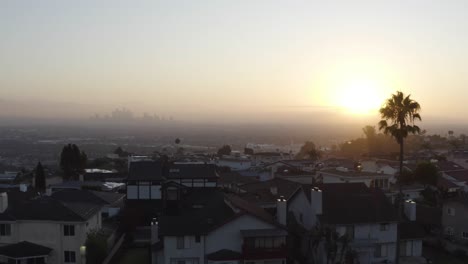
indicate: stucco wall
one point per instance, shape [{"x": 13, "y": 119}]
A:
[{"x": 217, "y": 239}]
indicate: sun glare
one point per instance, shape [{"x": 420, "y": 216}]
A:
[{"x": 360, "y": 97}]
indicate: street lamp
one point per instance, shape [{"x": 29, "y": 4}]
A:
[{"x": 83, "y": 254}]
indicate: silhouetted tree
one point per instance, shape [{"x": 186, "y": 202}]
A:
[
  {"x": 426, "y": 173},
  {"x": 308, "y": 150},
  {"x": 72, "y": 161},
  {"x": 248, "y": 151},
  {"x": 398, "y": 116},
  {"x": 371, "y": 137},
  {"x": 120, "y": 152},
  {"x": 177, "y": 141},
  {"x": 180, "y": 151},
  {"x": 224, "y": 150},
  {"x": 39, "y": 178},
  {"x": 463, "y": 139}
]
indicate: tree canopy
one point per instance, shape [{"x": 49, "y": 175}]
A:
[
  {"x": 398, "y": 119},
  {"x": 224, "y": 150},
  {"x": 72, "y": 161},
  {"x": 426, "y": 173},
  {"x": 309, "y": 151},
  {"x": 96, "y": 248},
  {"x": 39, "y": 178}
]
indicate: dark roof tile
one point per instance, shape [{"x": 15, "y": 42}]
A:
[
  {"x": 352, "y": 203},
  {"x": 224, "y": 254},
  {"x": 24, "y": 249}
]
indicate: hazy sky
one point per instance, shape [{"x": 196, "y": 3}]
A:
[{"x": 218, "y": 58}]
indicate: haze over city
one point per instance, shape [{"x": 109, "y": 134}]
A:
[
  {"x": 232, "y": 61},
  {"x": 233, "y": 132}
]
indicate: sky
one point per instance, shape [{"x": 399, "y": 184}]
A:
[{"x": 203, "y": 60}]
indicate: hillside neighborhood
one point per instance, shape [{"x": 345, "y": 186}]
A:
[{"x": 251, "y": 206}]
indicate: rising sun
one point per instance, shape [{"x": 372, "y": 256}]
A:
[{"x": 360, "y": 97}]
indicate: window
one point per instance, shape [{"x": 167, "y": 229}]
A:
[
  {"x": 350, "y": 231},
  {"x": 449, "y": 231},
  {"x": 451, "y": 211},
  {"x": 39, "y": 260},
  {"x": 465, "y": 235},
  {"x": 380, "y": 251},
  {"x": 184, "y": 261},
  {"x": 279, "y": 242},
  {"x": 70, "y": 257},
  {"x": 68, "y": 230},
  {"x": 5, "y": 229},
  {"x": 249, "y": 242},
  {"x": 260, "y": 242},
  {"x": 269, "y": 242},
  {"x": 384, "y": 227},
  {"x": 197, "y": 239},
  {"x": 180, "y": 242}
]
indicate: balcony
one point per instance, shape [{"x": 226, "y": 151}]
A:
[
  {"x": 363, "y": 244},
  {"x": 251, "y": 253}
]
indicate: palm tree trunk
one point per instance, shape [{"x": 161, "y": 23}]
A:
[{"x": 399, "y": 206}]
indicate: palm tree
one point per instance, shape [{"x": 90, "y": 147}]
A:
[{"x": 398, "y": 116}]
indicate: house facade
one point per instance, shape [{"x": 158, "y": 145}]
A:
[
  {"x": 363, "y": 215},
  {"x": 455, "y": 218},
  {"x": 146, "y": 177},
  {"x": 34, "y": 224},
  {"x": 223, "y": 229}
]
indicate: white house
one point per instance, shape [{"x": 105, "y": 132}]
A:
[
  {"x": 212, "y": 227},
  {"x": 364, "y": 215},
  {"x": 411, "y": 236},
  {"x": 43, "y": 229}
]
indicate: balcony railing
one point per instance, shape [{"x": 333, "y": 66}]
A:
[{"x": 250, "y": 252}]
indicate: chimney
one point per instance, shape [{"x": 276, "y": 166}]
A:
[
  {"x": 154, "y": 231},
  {"x": 274, "y": 190},
  {"x": 23, "y": 187},
  {"x": 3, "y": 202},
  {"x": 410, "y": 210},
  {"x": 281, "y": 210},
  {"x": 316, "y": 200}
]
